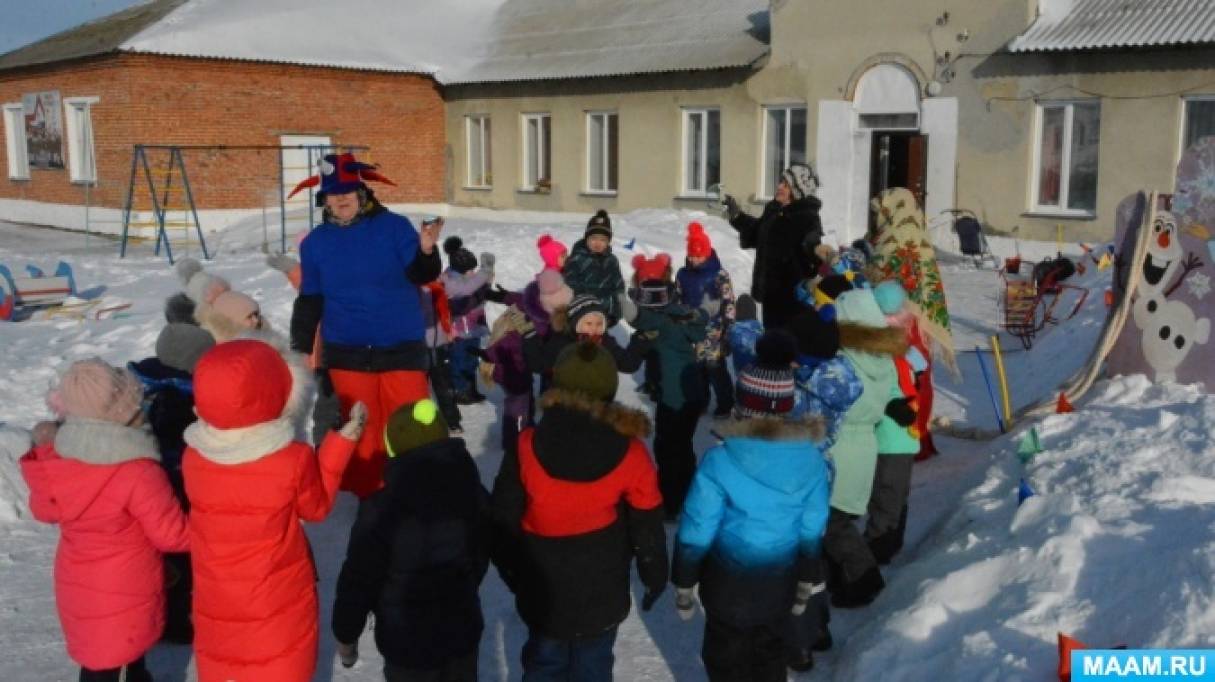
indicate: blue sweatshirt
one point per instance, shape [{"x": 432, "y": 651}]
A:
[{"x": 359, "y": 270}]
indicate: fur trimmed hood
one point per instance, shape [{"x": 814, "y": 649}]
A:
[
  {"x": 95, "y": 441},
  {"x": 811, "y": 427},
  {"x": 876, "y": 340},
  {"x": 626, "y": 421}
]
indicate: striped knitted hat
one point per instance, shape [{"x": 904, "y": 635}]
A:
[{"x": 765, "y": 389}]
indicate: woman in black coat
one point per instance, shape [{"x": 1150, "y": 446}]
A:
[{"x": 784, "y": 238}]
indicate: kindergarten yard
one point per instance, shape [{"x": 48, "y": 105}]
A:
[{"x": 1104, "y": 534}]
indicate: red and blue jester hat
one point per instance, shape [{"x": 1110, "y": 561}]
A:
[{"x": 340, "y": 174}]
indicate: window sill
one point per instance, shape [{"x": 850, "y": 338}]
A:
[
  {"x": 696, "y": 197},
  {"x": 595, "y": 193},
  {"x": 1061, "y": 215},
  {"x": 533, "y": 190},
  {"x": 84, "y": 183},
  {"x": 470, "y": 188},
  {"x": 19, "y": 179}
]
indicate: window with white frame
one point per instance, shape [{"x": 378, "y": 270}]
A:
[
  {"x": 82, "y": 162},
  {"x": 602, "y": 150},
  {"x": 701, "y": 151},
  {"x": 1199, "y": 120},
  {"x": 14, "y": 142},
  {"x": 784, "y": 143},
  {"x": 1065, "y": 158},
  {"x": 537, "y": 151},
  {"x": 480, "y": 159}
]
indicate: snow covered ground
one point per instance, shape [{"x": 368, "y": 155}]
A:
[{"x": 1116, "y": 548}]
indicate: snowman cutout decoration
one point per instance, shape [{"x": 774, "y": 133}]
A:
[{"x": 1170, "y": 328}]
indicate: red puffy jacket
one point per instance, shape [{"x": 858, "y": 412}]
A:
[{"x": 116, "y": 515}]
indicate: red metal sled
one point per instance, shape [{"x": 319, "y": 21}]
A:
[{"x": 1028, "y": 306}]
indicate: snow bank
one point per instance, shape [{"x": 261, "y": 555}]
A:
[{"x": 1115, "y": 548}]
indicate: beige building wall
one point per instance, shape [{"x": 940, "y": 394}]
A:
[
  {"x": 821, "y": 50},
  {"x": 1140, "y": 94},
  {"x": 650, "y": 129}
]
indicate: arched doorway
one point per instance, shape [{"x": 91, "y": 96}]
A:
[{"x": 885, "y": 134}]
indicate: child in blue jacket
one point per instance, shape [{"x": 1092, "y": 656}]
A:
[{"x": 753, "y": 522}]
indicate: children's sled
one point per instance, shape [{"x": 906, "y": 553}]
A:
[
  {"x": 1029, "y": 301},
  {"x": 35, "y": 290}
]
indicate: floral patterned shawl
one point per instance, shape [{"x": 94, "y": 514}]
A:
[{"x": 903, "y": 253}]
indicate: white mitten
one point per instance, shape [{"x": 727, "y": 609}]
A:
[
  {"x": 804, "y": 592},
  {"x": 685, "y": 603},
  {"x": 353, "y": 428},
  {"x": 282, "y": 262}
]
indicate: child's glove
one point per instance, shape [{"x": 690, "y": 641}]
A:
[
  {"x": 628, "y": 309},
  {"x": 651, "y": 596},
  {"x": 732, "y": 209},
  {"x": 282, "y": 262},
  {"x": 353, "y": 428},
  {"x": 647, "y": 335},
  {"x": 711, "y": 306},
  {"x": 685, "y": 603},
  {"x": 487, "y": 262},
  {"x": 805, "y": 590},
  {"x": 900, "y": 411},
  {"x": 497, "y": 294},
  {"x": 44, "y": 432},
  {"x": 348, "y": 653}
]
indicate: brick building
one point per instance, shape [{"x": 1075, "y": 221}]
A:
[{"x": 76, "y": 103}]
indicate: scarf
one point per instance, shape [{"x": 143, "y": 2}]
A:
[
  {"x": 238, "y": 446},
  {"x": 903, "y": 253}
]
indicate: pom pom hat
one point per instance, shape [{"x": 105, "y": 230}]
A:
[
  {"x": 459, "y": 258},
  {"x": 766, "y": 388},
  {"x": 699, "y": 245},
  {"x": 92, "y": 389},
  {"x": 551, "y": 251},
  {"x": 586, "y": 368},
  {"x": 599, "y": 224},
  {"x": 412, "y": 426}
]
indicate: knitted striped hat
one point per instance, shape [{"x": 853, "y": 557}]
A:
[{"x": 765, "y": 389}]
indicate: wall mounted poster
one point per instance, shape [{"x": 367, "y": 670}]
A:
[{"x": 44, "y": 129}]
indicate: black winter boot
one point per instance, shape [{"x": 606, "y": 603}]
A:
[{"x": 860, "y": 592}]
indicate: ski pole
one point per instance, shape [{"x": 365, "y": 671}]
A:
[{"x": 990, "y": 392}]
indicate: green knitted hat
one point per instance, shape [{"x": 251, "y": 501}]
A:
[
  {"x": 587, "y": 368},
  {"x": 412, "y": 426}
]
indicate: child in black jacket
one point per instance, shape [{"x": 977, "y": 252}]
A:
[{"x": 418, "y": 551}]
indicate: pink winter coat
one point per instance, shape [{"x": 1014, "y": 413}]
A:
[{"x": 103, "y": 484}]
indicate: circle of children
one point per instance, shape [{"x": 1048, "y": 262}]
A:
[{"x": 190, "y": 531}]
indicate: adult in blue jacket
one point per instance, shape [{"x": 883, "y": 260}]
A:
[
  {"x": 752, "y": 525},
  {"x": 360, "y": 273}
]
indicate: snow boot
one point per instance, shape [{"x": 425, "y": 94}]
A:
[
  {"x": 860, "y": 592},
  {"x": 348, "y": 654}
]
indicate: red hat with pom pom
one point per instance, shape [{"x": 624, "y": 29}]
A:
[
  {"x": 699, "y": 245},
  {"x": 551, "y": 251},
  {"x": 657, "y": 268}
]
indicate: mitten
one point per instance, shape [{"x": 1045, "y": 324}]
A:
[
  {"x": 628, "y": 309},
  {"x": 487, "y": 262},
  {"x": 900, "y": 411},
  {"x": 353, "y": 428},
  {"x": 711, "y": 306},
  {"x": 497, "y": 294},
  {"x": 731, "y": 204},
  {"x": 282, "y": 262},
  {"x": 685, "y": 603},
  {"x": 805, "y": 591},
  {"x": 44, "y": 432}
]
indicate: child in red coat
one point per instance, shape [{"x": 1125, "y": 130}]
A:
[
  {"x": 250, "y": 483},
  {"x": 98, "y": 477}
]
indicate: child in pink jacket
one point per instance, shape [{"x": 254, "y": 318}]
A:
[{"x": 98, "y": 476}]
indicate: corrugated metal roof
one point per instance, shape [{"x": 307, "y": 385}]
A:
[
  {"x": 546, "y": 39},
  {"x": 102, "y": 36},
  {"x": 456, "y": 41},
  {"x": 1069, "y": 25}
]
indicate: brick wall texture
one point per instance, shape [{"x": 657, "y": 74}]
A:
[{"x": 148, "y": 99}]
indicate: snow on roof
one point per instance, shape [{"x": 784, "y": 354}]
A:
[
  {"x": 419, "y": 36},
  {"x": 1064, "y": 25},
  {"x": 542, "y": 39},
  {"x": 455, "y": 41}
]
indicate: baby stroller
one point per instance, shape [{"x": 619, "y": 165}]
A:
[{"x": 971, "y": 240}]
